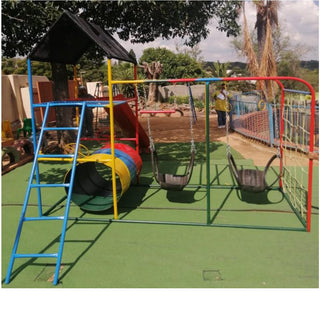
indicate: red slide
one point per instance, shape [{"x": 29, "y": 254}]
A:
[{"x": 125, "y": 118}]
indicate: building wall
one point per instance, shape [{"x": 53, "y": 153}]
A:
[{"x": 15, "y": 100}]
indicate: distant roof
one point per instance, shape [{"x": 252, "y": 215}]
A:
[{"x": 71, "y": 36}]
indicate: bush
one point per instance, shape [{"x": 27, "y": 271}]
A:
[{"x": 198, "y": 103}]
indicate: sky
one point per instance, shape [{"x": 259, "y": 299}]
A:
[{"x": 298, "y": 19}]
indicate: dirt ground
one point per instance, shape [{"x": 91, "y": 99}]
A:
[{"x": 176, "y": 128}]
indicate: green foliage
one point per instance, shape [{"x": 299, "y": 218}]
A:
[
  {"x": 198, "y": 104},
  {"x": 179, "y": 65},
  {"x": 179, "y": 100},
  {"x": 221, "y": 70},
  {"x": 93, "y": 68},
  {"x": 24, "y": 22},
  {"x": 124, "y": 71},
  {"x": 19, "y": 66},
  {"x": 311, "y": 76}
]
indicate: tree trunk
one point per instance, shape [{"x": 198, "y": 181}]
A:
[
  {"x": 261, "y": 25},
  {"x": 60, "y": 93},
  {"x": 153, "y": 71}
]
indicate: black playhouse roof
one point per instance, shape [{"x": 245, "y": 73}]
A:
[{"x": 71, "y": 36}]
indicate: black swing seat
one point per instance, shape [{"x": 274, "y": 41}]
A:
[
  {"x": 253, "y": 180},
  {"x": 169, "y": 181}
]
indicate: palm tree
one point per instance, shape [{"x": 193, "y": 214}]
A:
[
  {"x": 264, "y": 63},
  {"x": 267, "y": 18},
  {"x": 221, "y": 69}
]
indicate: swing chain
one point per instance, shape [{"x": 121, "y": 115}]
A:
[
  {"x": 174, "y": 97},
  {"x": 193, "y": 148},
  {"x": 150, "y": 134},
  {"x": 228, "y": 149},
  {"x": 141, "y": 102},
  {"x": 191, "y": 118}
]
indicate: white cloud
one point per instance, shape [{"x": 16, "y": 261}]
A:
[{"x": 298, "y": 19}]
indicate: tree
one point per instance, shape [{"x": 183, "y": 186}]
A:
[
  {"x": 165, "y": 64},
  {"x": 263, "y": 64},
  {"x": 287, "y": 57},
  {"x": 267, "y": 17},
  {"x": 153, "y": 71},
  {"x": 194, "y": 52},
  {"x": 179, "y": 65},
  {"x": 221, "y": 70},
  {"x": 124, "y": 71},
  {"x": 24, "y": 22}
]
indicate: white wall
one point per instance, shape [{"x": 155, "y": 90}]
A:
[{"x": 15, "y": 98}]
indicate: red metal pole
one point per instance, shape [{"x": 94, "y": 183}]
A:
[
  {"x": 312, "y": 124},
  {"x": 157, "y": 111},
  {"x": 281, "y": 128},
  {"x": 136, "y": 108}
]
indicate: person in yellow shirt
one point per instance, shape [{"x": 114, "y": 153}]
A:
[{"x": 221, "y": 100}]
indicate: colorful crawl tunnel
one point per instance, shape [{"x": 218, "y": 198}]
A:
[{"x": 92, "y": 188}]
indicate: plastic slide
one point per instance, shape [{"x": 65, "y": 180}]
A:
[{"x": 126, "y": 119}]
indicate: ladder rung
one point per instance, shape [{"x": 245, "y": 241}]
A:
[
  {"x": 59, "y": 128},
  {"x": 43, "y": 218},
  {"x": 126, "y": 139},
  {"x": 156, "y": 111},
  {"x": 49, "y": 185},
  {"x": 44, "y": 156},
  {"x": 82, "y": 160},
  {"x": 36, "y": 255}
]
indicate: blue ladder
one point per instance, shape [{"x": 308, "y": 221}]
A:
[{"x": 38, "y": 186}]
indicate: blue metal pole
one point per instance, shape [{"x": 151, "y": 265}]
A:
[
  {"x": 271, "y": 127},
  {"x": 34, "y": 136},
  {"x": 23, "y": 212},
  {"x": 67, "y": 209},
  {"x": 238, "y": 107}
]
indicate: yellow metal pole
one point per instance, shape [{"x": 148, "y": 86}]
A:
[
  {"x": 113, "y": 162},
  {"x": 128, "y": 81},
  {"x": 76, "y": 91}
]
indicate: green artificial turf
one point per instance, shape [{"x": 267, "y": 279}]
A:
[{"x": 99, "y": 254}]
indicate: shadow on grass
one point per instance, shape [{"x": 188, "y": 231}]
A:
[
  {"x": 181, "y": 151},
  {"x": 55, "y": 241},
  {"x": 53, "y": 174}
]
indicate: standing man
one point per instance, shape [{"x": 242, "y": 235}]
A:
[{"x": 221, "y": 101}]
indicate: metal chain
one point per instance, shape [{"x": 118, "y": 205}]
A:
[
  {"x": 150, "y": 134},
  {"x": 228, "y": 149},
  {"x": 191, "y": 119},
  {"x": 193, "y": 148},
  {"x": 174, "y": 96}
]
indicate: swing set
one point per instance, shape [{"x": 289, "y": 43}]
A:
[{"x": 289, "y": 184}]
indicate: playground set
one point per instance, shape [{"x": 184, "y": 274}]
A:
[{"x": 88, "y": 186}]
